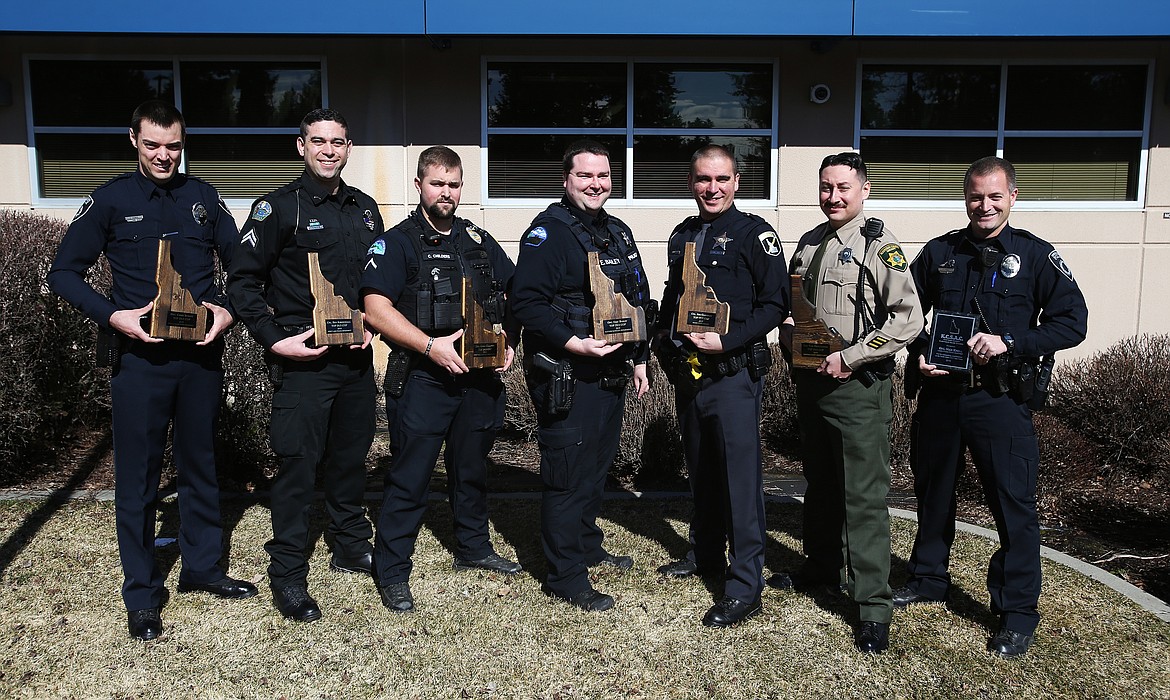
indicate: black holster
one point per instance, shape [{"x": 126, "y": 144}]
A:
[
  {"x": 561, "y": 384},
  {"x": 398, "y": 368},
  {"x": 109, "y": 346}
]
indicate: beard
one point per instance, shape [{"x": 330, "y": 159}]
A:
[{"x": 440, "y": 210}]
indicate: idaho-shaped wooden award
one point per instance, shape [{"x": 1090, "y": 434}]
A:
[
  {"x": 699, "y": 310},
  {"x": 334, "y": 323},
  {"x": 615, "y": 319},
  {"x": 812, "y": 340},
  {"x": 483, "y": 341},
  {"x": 175, "y": 315}
]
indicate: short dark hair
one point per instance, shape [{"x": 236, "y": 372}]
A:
[
  {"x": 577, "y": 148},
  {"x": 988, "y": 165},
  {"x": 323, "y": 115},
  {"x": 713, "y": 150},
  {"x": 849, "y": 159},
  {"x": 157, "y": 112},
  {"x": 441, "y": 156}
]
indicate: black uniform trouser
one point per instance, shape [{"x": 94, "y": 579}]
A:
[
  {"x": 466, "y": 412},
  {"x": 721, "y": 443},
  {"x": 845, "y": 445},
  {"x": 999, "y": 432},
  {"x": 322, "y": 414},
  {"x": 576, "y": 451},
  {"x": 154, "y": 384}
]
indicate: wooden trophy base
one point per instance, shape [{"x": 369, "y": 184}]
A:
[
  {"x": 483, "y": 342},
  {"x": 334, "y": 323},
  {"x": 812, "y": 340},
  {"x": 699, "y": 310},
  {"x": 175, "y": 315},
  {"x": 615, "y": 319}
]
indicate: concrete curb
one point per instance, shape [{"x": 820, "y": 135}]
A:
[{"x": 779, "y": 491}]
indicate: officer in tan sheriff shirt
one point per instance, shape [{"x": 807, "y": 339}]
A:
[{"x": 857, "y": 277}]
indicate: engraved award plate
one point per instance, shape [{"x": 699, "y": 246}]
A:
[
  {"x": 334, "y": 323},
  {"x": 175, "y": 315},
  {"x": 615, "y": 319},
  {"x": 949, "y": 333},
  {"x": 483, "y": 341},
  {"x": 699, "y": 310},
  {"x": 812, "y": 340}
]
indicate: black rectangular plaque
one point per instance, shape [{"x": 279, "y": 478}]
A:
[
  {"x": 949, "y": 333},
  {"x": 181, "y": 319},
  {"x": 701, "y": 318},
  {"x": 338, "y": 325},
  {"x": 617, "y": 325}
]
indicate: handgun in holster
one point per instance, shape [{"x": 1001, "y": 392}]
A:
[
  {"x": 561, "y": 384},
  {"x": 759, "y": 359},
  {"x": 109, "y": 346}
]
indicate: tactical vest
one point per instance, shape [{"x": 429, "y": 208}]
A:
[
  {"x": 432, "y": 298},
  {"x": 620, "y": 260}
]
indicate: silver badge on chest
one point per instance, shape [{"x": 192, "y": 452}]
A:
[{"x": 1010, "y": 265}]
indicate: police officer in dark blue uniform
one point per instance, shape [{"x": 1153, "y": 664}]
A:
[
  {"x": 718, "y": 381},
  {"x": 156, "y": 380},
  {"x": 412, "y": 289},
  {"x": 577, "y": 382},
  {"x": 323, "y": 403},
  {"x": 1028, "y": 307}
]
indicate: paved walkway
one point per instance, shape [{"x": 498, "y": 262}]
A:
[{"x": 777, "y": 489}]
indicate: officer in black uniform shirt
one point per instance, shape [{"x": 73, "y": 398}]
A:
[
  {"x": 156, "y": 381},
  {"x": 718, "y": 381},
  {"x": 323, "y": 403},
  {"x": 577, "y": 382},
  {"x": 1027, "y": 306},
  {"x": 412, "y": 289}
]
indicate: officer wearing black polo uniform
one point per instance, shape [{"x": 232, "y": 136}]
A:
[
  {"x": 412, "y": 289},
  {"x": 156, "y": 381},
  {"x": 719, "y": 383},
  {"x": 323, "y": 403},
  {"x": 1028, "y": 306},
  {"x": 577, "y": 382}
]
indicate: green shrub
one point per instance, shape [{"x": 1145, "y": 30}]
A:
[
  {"x": 1120, "y": 399},
  {"x": 49, "y": 386}
]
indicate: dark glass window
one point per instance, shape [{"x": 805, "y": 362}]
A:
[
  {"x": 96, "y": 93},
  {"x": 244, "y": 165},
  {"x": 930, "y": 97},
  {"x": 727, "y": 97},
  {"x": 73, "y": 165},
  {"x": 1069, "y": 98},
  {"x": 1074, "y": 168},
  {"x": 557, "y": 95},
  {"x": 249, "y": 94},
  {"x": 662, "y": 164},
  {"x": 921, "y": 168}
]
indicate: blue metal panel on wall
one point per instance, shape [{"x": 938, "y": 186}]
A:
[
  {"x": 641, "y": 17},
  {"x": 1000, "y": 18},
  {"x": 217, "y": 17}
]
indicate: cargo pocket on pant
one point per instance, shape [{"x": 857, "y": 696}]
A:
[
  {"x": 559, "y": 448},
  {"x": 282, "y": 431},
  {"x": 1025, "y": 452}
]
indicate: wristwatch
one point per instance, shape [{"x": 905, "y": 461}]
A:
[{"x": 1010, "y": 342}]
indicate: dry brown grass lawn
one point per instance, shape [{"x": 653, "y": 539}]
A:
[{"x": 62, "y": 627}]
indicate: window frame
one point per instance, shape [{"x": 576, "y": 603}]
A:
[
  {"x": 1000, "y": 133},
  {"x": 626, "y": 198},
  {"x": 37, "y": 197}
]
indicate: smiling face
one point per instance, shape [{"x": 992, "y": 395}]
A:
[
  {"x": 439, "y": 189},
  {"x": 587, "y": 183},
  {"x": 160, "y": 150},
  {"x": 989, "y": 202},
  {"x": 325, "y": 148},
  {"x": 713, "y": 183},
  {"x": 843, "y": 194}
]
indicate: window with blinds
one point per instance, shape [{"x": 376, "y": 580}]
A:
[
  {"x": 1073, "y": 132},
  {"x": 651, "y": 116},
  {"x": 242, "y": 119}
]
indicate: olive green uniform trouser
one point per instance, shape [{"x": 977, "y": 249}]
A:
[{"x": 844, "y": 435}]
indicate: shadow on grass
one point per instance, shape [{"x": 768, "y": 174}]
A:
[
  {"x": 231, "y": 510},
  {"x": 36, "y": 520}
]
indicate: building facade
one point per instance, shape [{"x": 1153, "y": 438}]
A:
[{"x": 1077, "y": 98}]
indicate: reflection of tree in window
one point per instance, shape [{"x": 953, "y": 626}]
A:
[
  {"x": 955, "y": 97},
  {"x": 249, "y": 94},
  {"x": 95, "y": 93},
  {"x": 569, "y": 95}
]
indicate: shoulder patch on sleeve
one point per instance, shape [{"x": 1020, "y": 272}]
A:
[
  {"x": 892, "y": 257},
  {"x": 535, "y": 237},
  {"x": 261, "y": 211},
  {"x": 87, "y": 204},
  {"x": 379, "y": 248},
  {"x": 1059, "y": 263},
  {"x": 770, "y": 243}
]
